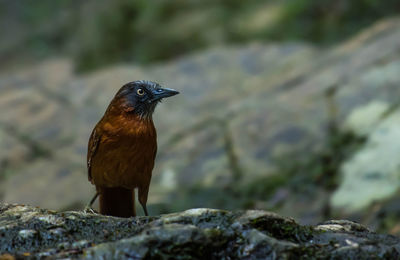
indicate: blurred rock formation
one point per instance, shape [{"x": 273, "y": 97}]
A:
[{"x": 252, "y": 120}]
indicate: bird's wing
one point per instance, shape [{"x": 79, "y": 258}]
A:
[{"x": 93, "y": 145}]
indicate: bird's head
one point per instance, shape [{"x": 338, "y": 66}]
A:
[{"x": 141, "y": 97}]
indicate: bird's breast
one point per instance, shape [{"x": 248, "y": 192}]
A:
[{"x": 126, "y": 154}]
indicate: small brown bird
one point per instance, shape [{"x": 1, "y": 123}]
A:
[{"x": 123, "y": 146}]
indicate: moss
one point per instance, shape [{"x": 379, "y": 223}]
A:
[
  {"x": 283, "y": 229},
  {"x": 265, "y": 186},
  {"x": 309, "y": 252},
  {"x": 389, "y": 221},
  {"x": 193, "y": 234}
]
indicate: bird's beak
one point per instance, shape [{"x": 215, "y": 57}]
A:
[{"x": 163, "y": 93}]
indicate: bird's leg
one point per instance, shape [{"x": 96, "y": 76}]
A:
[
  {"x": 93, "y": 199},
  {"x": 88, "y": 207},
  {"x": 145, "y": 210},
  {"x": 143, "y": 191}
]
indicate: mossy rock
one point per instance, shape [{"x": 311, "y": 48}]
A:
[{"x": 193, "y": 234}]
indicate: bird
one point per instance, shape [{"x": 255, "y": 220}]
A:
[{"x": 122, "y": 148}]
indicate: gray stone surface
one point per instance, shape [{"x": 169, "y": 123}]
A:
[{"x": 192, "y": 234}]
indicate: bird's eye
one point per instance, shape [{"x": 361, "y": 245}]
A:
[{"x": 140, "y": 92}]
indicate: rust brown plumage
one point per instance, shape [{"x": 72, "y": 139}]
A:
[{"x": 123, "y": 146}]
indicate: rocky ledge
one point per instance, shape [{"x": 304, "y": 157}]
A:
[{"x": 196, "y": 233}]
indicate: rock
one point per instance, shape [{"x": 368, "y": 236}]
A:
[
  {"x": 196, "y": 233},
  {"x": 372, "y": 173}
]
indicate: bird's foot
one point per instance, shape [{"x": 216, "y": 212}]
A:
[{"x": 89, "y": 210}]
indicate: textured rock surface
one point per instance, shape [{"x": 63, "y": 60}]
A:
[
  {"x": 195, "y": 233},
  {"x": 373, "y": 172},
  {"x": 262, "y": 100}
]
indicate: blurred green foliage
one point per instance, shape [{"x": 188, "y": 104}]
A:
[
  {"x": 146, "y": 31},
  {"x": 97, "y": 33},
  {"x": 327, "y": 21}
]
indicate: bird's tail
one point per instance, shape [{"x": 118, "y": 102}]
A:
[{"x": 118, "y": 202}]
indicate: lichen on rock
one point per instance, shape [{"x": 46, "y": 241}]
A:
[{"x": 192, "y": 234}]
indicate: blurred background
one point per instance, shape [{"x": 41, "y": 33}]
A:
[{"x": 291, "y": 106}]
